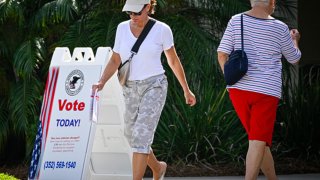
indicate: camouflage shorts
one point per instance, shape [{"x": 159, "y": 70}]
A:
[{"x": 144, "y": 101}]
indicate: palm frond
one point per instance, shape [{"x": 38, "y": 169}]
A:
[
  {"x": 11, "y": 9},
  {"x": 218, "y": 12},
  {"x": 76, "y": 36},
  {"x": 4, "y": 51},
  {"x": 161, "y": 3},
  {"x": 287, "y": 11},
  {"x": 29, "y": 56},
  {"x": 195, "y": 47},
  {"x": 55, "y": 12},
  {"x": 95, "y": 28},
  {"x": 24, "y": 104},
  {"x": 4, "y": 88},
  {"x": 194, "y": 133},
  {"x": 4, "y": 125},
  {"x": 103, "y": 28}
]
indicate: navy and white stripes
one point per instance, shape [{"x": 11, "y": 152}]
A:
[{"x": 265, "y": 41}]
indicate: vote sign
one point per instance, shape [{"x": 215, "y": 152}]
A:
[{"x": 67, "y": 114}]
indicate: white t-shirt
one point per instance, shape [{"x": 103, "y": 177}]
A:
[{"x": 147, "y": 62}]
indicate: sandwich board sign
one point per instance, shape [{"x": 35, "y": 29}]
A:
[{"x": 70, "y": 120}]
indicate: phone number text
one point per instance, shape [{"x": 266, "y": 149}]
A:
[{"x": 59, "y": 164}]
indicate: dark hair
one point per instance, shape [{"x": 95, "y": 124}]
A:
[{"x": 152, "y": 7}]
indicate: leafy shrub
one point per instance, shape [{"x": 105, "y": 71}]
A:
[
  {"x": 7, "y": 177},
  {"x": 299, "y": 111}
]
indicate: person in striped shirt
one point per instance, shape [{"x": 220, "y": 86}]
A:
[{"x": 256, "y": 95}]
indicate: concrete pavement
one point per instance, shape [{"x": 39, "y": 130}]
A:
[{"x": 281, "y": 177}]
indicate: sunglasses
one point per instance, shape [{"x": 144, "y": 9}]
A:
[{"x": 136, "y": 13}]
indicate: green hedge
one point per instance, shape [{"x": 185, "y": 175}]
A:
[{"x": 7, "y": 177}]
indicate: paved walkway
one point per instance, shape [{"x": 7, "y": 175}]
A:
[{"x": 281, "y": 177}]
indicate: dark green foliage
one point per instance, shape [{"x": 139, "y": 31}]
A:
[
  {"x": 210, "y": 132},
  {"x": 287, "y": 11},
  {"x": 299, "y": 111}
]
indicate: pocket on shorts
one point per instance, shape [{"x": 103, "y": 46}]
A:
[
  {"x": 125, "y": 90},
  {"x": 160, "y": 83}
]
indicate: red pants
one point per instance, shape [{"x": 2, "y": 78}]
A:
[{"x": 257, "y": 113}]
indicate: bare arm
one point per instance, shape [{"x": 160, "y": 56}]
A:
[
  {"x": 222, "y": 58},
  {"x": 110, "y": 69},
  {"x": 295, "y": 35},
  {"x": 176, "y": 66}
]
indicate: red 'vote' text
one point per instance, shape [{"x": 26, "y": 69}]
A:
[{"x": 75, "y": 105}]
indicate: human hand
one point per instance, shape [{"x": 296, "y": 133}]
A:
[
  {"x": 295, "y": 35},
  {"x": 190, "y": 98},
  {"x": 98, "y": 86}
]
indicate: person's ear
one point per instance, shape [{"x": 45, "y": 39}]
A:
[
  {"x": 273, "y": 3},
  {"x": 148, "y": 7}
]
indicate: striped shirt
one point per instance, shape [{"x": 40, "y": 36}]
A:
[{"x": 265, "y": 41}]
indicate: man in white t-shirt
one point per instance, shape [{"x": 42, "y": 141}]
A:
[{"x": 146, "y": 89}]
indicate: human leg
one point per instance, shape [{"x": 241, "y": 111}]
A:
[
  {"x": 139, "y": 165},
  {"x": 140, "y": 129},
  {"x": 254, "y": 159},
  {"x": 257, "y": 113},
  {"x": 262, "y": 125},
  {"x": 149, "y": 112},
  {"x": 140, "y": 155},
  {"x": 267, "y": 165},
  {"x": 158, "y": 167},
  {"x": 140, "y": 162}
]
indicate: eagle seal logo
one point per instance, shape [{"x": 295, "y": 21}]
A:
[{"x": 74, "y": 82}]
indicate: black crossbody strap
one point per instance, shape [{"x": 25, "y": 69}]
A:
[
  {"x": 140, "y": 39},
  {"x": 142, "y": 36},
  {"x": 242, "y": 44}
]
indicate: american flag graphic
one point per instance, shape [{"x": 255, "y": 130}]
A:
[
  {"x": 36, "y": 153},
  {"x": 42, "y": 131}
]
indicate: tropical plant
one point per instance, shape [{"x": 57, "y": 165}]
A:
[
  {"x": 34, "y": 29},
  {"x": 297, "y": 126},
  {"x": 202, "y": 133},
  {"x": 7, "y": 177},
  {"x": 299, "y": 112},
  {"x": 287, "y": 11},
  {"x": 28, "y": 28},
  {"x": 195, "y": 41},
  {"x": 209, "y": 132}
]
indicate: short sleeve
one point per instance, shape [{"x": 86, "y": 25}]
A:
[
  {"x": 167, "y": 37},
  {"x": 116, "y": 47},
  {"x": 227, "y": 41},
  {"x": 289, "y": 51}
]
